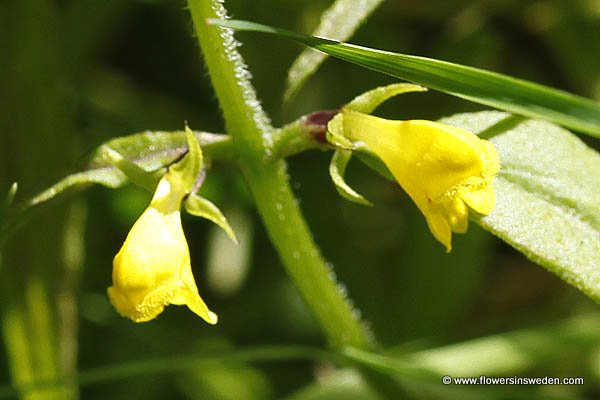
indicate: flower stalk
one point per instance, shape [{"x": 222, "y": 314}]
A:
[{"x": 267, "y": 179}]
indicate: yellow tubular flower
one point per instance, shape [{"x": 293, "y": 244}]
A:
[
  {"x": 443, "y": 169},
  {"x": 152, "y": 269}
]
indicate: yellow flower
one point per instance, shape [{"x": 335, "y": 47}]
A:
[
  {"x": 443, "y": 169},
  {"x": 152, "y": 269}
]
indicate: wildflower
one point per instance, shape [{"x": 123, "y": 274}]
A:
[
  {"x": 152, "y": 269},
  {"x": 443, "y": 169}
]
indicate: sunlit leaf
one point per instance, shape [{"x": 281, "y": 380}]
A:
[
  {"x": 147, "y": 151},
  {"x": 547, "y": 197}
]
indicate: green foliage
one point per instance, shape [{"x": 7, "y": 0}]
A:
[
  {"x": 546, "y": 195},
  {"x": 80, "y": 73},
  {"x": 485, "y": 87}
]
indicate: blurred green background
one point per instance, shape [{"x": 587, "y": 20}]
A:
[{"x": 75, "y": 73}]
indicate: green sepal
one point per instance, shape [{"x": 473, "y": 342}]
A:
[
  {"x": 188, "y": 168},
  {"x": 335, "y": 133},
  {"x": 204, "y": 208},
  {"x": 369, "y": 101},
  {"x": 337, "y": 169},
  {"x": 136, "y": 174},
  {"x": 365, "y": 103}
]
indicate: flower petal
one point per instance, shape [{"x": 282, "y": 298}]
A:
[
  {"x": 440, "y": 228},
  {"x": 479, "y": 199}
]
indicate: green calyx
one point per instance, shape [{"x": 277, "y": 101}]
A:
[
  {"x": 183, "y": 177},
  {"x": 364, "y": 103}
]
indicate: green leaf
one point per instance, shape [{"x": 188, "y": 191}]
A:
[
  {"x": 547, "y": 197},
  {"x": 153, "y": 150},
  {"x": 138, "y": 153},
  {"x": 339, "y": 22},
  {"x": 485, "y": 87},
  {"x": 144, "y": 152},
  {"x": 564, "y": 342},
  {"x": 132, "y": 171},
  {"x": 109, "y": 177},
  {"x": 337, "y": 169}
]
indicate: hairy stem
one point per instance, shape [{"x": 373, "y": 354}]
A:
[{"x": 253, "y": 136}]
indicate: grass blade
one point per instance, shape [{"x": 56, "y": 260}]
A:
[{"x": 480, "y": 86}]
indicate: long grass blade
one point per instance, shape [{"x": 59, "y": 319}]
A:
[{"x": 480, "y": 86}]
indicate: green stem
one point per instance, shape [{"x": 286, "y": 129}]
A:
[{"x": 252, "y": 136}]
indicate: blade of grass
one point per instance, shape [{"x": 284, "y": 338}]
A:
[{"x": 480, "y": 86}]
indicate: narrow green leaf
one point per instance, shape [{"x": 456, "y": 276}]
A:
[
  {"x": 424, "y": 383},
  {"x": 509, "y": 353},
  {"x": 132, "y": 171},
  {"x": 339, "y": 22},
  {"x": 480, "y": 86},
  {"x": 140, "y": 153},
  {"x": 144, "y": 152},
  {"x": 147, "y": 151},
  {"x": 152, "y": 150},
  {"x": 547, "y": 197},
  {"x": 107, "y": 176},
  {"x": 337, "y": 169}
]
